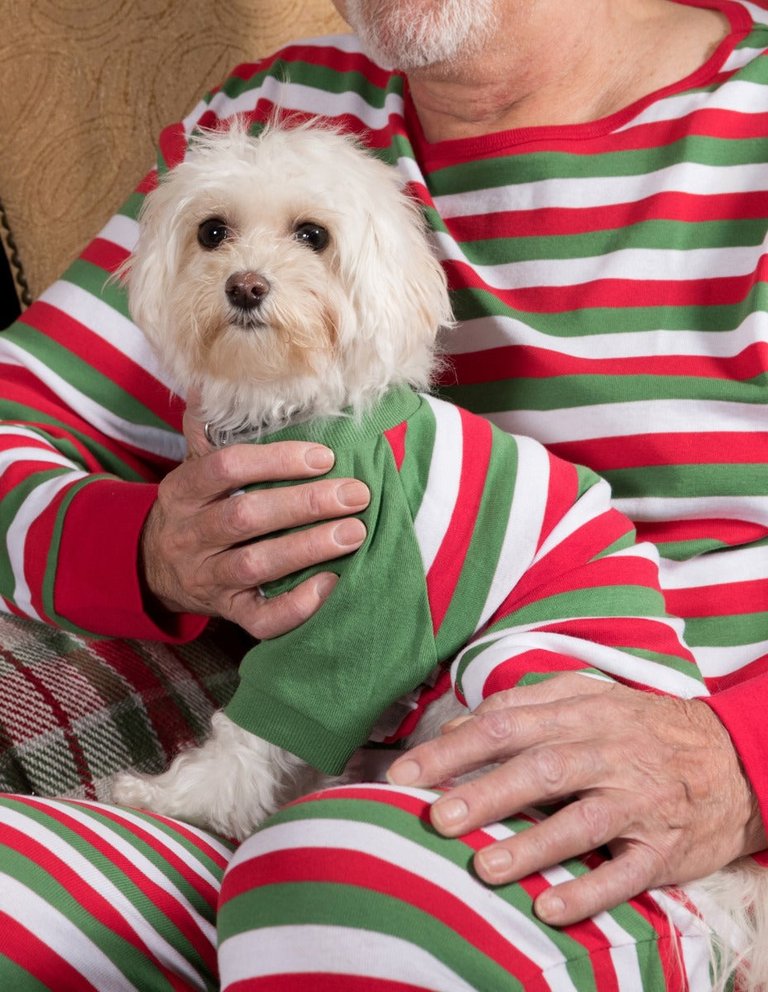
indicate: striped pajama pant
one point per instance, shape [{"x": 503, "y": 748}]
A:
[{"x": 348, "y": 890}]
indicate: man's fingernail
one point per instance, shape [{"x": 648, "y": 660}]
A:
[
  {"x": 495, "y": 861},
  {"x": 457, "y": 721},
  {"x": 404, "y": 772},
  {"x": 549, "y": 908},
  {"x": 449, "y": 813},
  {"x": 319, "y": 458},
  {"x": 349, "y": 532},
  {"x": 325, "y": 584},
  {"x": 353, "y": 494}
]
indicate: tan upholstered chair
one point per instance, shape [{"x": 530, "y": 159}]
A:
[{"x": 86, "y": 86}]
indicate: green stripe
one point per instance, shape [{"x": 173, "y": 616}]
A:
[
  {"x": 591, "y": 390},
  {"x": 657, "y": 658},
  {"x": 665, "y": 660},
  {"x": 655, "y": 235},
  {"x": 93, "y": 279},
  {"x": 470, "y": 304},
  {"x": 620, "y": 544},
  {"x": 596, "y": 601},
  {"x": 314, "y": 76},
  {"x": 726, "y": 631},
  {"x": 419, "y": 448},
  {"x": 495, "y": 173},
  {"x": 336, "y": 904},
  {"x": 689, "y": 481},
  {"x": 131, "y": 206},
  {"x": 13, "y": 977},
  {"x": 683, "y": 550}
]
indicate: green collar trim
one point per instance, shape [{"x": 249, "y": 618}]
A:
[{"x": 392, "y": 409}]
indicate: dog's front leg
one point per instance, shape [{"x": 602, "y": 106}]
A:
[{"x": 229, "y": 784}]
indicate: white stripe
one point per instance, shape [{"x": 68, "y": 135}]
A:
[
  {"x": 590, "y": 505},
  {"x": 483, "y": 333},
  {"x": 442, "y": 489},
  {"x": 523, "y": 525},
  {"x": 602, "y": 420},
  {"x": 719, "y": 661},
  {"x": 36, "y": 502},
  {"x": 19, "y": 455},
  {"x": 695, "y": 942},
  {"x": 390, "y": 847},
  {"x": 649, "y": 508},
  {"x": 735, "y": 95},
  {"x": 757, "y": 13},
  {"x": 310, "y": 100},
  {"x": 336, "y": 950},
  {"x": 612, "y": 661},
  {"x": 28, "y": 511},
  {"x": 633, "y": 264},
  {"x": 121, "y": 231},
  {"x": 62, "y": 936},
  {"x": 686, "y": 177},
  {"x": 716, "y": 568}
]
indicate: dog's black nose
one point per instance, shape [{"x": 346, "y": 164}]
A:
[{"x": 246, "y": 290}]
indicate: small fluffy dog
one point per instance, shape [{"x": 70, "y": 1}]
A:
[
  {"x": 288, "y": 278},
  {"x": 256, "y": 282}
]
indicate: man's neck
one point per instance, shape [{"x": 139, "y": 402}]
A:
[{"x": 546, "y": 67}]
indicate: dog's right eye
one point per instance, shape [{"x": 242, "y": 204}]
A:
[{"x": 212, "y": 233}]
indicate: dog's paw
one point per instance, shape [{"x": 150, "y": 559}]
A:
[{"x": 134, "y": 789}]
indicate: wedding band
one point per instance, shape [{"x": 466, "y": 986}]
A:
[{"x": 208, "y": 431}]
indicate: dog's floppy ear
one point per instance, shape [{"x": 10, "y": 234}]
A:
[
  {"x": 398, "y": 287},
  {"x": 152, "y": 268}
]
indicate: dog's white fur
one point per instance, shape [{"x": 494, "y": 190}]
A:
[{"x": 336, "y": 329}]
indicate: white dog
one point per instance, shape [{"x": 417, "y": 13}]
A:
[
  {"x": 287, "y": 277},
  {"x": 257, "y": 283}
]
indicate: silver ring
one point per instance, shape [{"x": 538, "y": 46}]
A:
[{"x": 208, "y": 431}]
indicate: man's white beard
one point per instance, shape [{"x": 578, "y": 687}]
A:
[{"x": 407, "y": 35}]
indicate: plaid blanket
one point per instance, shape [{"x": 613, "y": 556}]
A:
[{"x": 74, "y": 711}]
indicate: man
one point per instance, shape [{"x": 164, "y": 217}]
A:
[{"x": 658, "y": 780}]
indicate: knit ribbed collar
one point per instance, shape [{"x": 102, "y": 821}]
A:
[{"x": 392, "y": 409}]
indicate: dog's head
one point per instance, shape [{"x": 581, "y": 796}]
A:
[{"x": 285, "y": 273}]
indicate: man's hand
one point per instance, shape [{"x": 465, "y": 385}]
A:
[
  {"x": 655, "y": 778},
  {"x": 206, "y": 551}
]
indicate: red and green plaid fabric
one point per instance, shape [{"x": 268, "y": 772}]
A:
[{"x": 73, "y": 711}]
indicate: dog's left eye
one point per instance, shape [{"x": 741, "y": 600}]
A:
[
  {"x": 211, "y": 233},
  {"x": 313, "y": 235}
]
